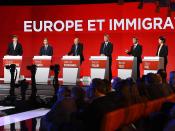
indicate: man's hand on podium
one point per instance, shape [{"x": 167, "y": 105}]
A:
[
  {"x": 126, "y": 51},
  {"x": 102, "y": 54}
]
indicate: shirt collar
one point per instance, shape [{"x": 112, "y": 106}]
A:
[
  {"x": 161, "y": 45},
  {"x": 136, "y": 44},
  {"x": 14, "y": 43}
]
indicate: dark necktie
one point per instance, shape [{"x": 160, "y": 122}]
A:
[
  {"x": 45, "y": 50},
  {"x": 76, "y": 50},
  {"x": 104, "y": 48}
]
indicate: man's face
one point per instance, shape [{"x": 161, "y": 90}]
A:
[
  {"x": 134, "y": 40},
  {"x": 106, "y": 39},
  {"x": 76, "y": 41},
  {"x": 160, "y": 41},
  {"x": 15, "y": 39},
  {"x": 45, "y": 42}
]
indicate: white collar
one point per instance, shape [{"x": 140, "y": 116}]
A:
[
  {"x": 161, "y": 45},
  {"x": 135, "y": 44},
  {"x": 14, "y": 43}
]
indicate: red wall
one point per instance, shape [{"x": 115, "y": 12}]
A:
[{"x": 12, "y": 19}]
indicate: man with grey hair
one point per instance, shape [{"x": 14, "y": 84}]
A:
[{"x": 77, "y": 49}]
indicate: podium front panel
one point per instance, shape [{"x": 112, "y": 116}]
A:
[
  {"x": 98, "y": 73},
  {"x": 98, "y": 63},
  {"x": 152, "y": 64},
  {"x": 124, "y": 73},
  {"x": 71, "y": 63},
  {"x": 8, "y": 60},
  {"x": 99, "y": 67},
  {"x": 7, "y": 75},
  {"x": 43, "y": 68},
  {"x": 42, "y": 63},
  {"x": 70, "y": 75},
  {"x": 124, "y": 64},
  {"x": 71, "y": 69},
  {"x": 42, "y": 75},
  {"x": 12, "y": 61},
  {"x": 127, "y": 67}
]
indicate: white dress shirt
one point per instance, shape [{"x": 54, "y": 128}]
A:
[
  {"x": 135, "y": 45},
  {"x": 14, "y": 45},
  {"x": 160, "y": 47},
  {"x": 45, "y": 47}
]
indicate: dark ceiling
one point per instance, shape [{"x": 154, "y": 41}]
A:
[{"x": 57, "y": 2}]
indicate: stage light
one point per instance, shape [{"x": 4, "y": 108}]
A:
[
  {"x": 140, "y": 6},
  {"x": 120, "y": 2}
]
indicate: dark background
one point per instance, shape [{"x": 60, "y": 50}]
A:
[{"x": 58, "y": 2}]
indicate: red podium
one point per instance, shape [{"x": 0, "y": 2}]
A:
[
  {"x": 43, "y": 68},
  {"x": 8, "y": 60},
  {"x": 71, "y": 69},
  {"x": 127, "y": 67},
  {"x": 99, "y": 67},
  {"x": 152, "y": 64}
]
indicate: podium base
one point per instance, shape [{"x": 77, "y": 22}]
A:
[
  {"x": 98, "y": 73},
  {"x": 42, "y": 75},
  {"x": 149, "y": 71},
  {"x": 70, "y": 75},
  {"x": 124, "y": 73},
  {"x": 7, "y": 75}
]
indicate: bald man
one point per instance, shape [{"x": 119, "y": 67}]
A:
[{"x": 77, "y": 50}]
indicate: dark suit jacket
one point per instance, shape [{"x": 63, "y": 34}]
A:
[
  {"x": 79, "y": 51},
  {"x": 95, "y": 112},
  {"x": 18, "y": 50},
  {"x": 163, "y": 52},
  {"x": 137, "y": 52},
  {"x": 107, "y": 51},
  {"x": 48, "y": 52}
]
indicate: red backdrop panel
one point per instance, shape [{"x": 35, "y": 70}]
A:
[{"x": 13, "y": 17}]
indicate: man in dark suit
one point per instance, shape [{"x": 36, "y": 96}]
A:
[
  {"x": 77, "y": 50},
  {"x": 46, "y": 49},
  {"x": 15, "y": 48},
  {"x": 162, "y": 50},
  {"x": 106, "y": 49},
  {"x": 136, "y": 51}
]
